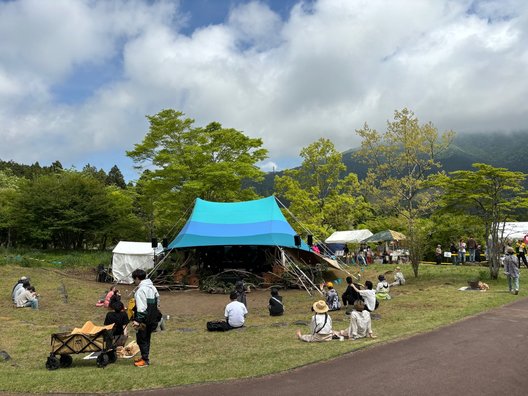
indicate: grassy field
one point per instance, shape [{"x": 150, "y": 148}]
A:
[{"x": 186, "y": 353}]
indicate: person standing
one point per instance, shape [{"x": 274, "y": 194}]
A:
[
  {"x": 521, "y": 253},
  {"x": 346, "y": 253},
  {"x": 146, "y": 315},
  {"x": 472, "y": 247},
  {"x": 438, "y": 254},
  {"x": 454, "y": 253},
  {"x": 461, "y": 252},
  {"x": 511, "y": 270}
]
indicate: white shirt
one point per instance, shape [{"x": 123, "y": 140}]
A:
[
  {"x": 360, "y": 324},
  {"x": 319, "y": 326},
  {"x": 24, "y": 297},
  {"x": 370, "y": 298},
  {"x": 235, "y": 313}
]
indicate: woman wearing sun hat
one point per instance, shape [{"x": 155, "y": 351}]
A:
[{"x": 321, "y": 324}]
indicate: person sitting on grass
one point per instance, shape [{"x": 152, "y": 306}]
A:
[
  {"x": 360, "y": 323},
  {"x": 399, "y": 279},
  {"x": 235, "y": 312},
  {"x": 369, "y": 296},
  {"x": 350, "y": 296},
  {"x": 332, "y": 298},
  {"x": 106, "y": 301},
  {"x": 119, "y": 319},
  {"x": 27, "y": 298},
  {"x": 275, "y": 306},
  {"x": 321, "y": 324},
  {"x": 19, "y": 287},
  {"x": 114, "y": 299},
  {"x": 382, "y": 289}
]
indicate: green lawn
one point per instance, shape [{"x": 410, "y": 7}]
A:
[{"x": 185, "y": 353}]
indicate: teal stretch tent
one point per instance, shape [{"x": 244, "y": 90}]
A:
[{"x": 258, "y": 222}]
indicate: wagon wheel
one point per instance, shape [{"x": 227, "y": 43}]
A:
[
  {"x": 52, "y": 363},
  {"x": 66, "y": 361},
  {"x": 102, "y": 360},
  {"x": 112, "y": 356}
]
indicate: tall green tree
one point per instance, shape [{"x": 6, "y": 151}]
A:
[
  {"x": 9, "y": 188},
  {"x": 492, "y": 194},
  {"x": 320, "y": 197},
  {"x": 122, "y": 222},
  {"x": 186, "y": 162},
  {"x": 401, "y": 161},
  {"x": 63, "y": 210},
  {"x": 115, "y": 178}
]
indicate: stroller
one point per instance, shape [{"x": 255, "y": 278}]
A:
[{"x": 66, "y": 344}]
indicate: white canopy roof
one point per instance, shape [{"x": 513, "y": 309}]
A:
[
  {"x": 515, "y": 230},
  {"x": 352, "y": 236},
  {"x": 141, "y": 248},
  {"x": 129, "y": 256}
]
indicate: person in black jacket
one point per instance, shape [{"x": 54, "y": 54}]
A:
[
  {"x": 350, "y": 295},
  {"x": 119, "y": 319},
  {"x": 276, "y": 308}
]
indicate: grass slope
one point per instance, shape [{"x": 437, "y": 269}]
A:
[{"x": 185, "y": 353}]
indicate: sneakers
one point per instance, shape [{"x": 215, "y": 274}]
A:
[{"x": 141, "y": 363}]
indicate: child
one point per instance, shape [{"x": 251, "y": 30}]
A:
[
  {"x": 119, "y": 319},
  {"x": 275, "y": 307},
  {"x": 382, "y": 289},
  {"x": 399, "y": 279},
  {"x": 332, "y": 298},
  {"x": 321, "y": 324}
]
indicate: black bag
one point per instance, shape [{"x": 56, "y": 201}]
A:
[{"x": 217, "y": 326}]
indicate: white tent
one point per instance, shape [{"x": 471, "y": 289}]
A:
[
  {"x": 352, "y": 236},
  {"x": 515, "y": 230},
  {"x": 128, "y": 256}
]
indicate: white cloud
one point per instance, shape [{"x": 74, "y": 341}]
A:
[{"x": 326, "y": 70}]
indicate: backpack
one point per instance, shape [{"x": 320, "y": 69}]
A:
[{"x": 217, "y": 326}]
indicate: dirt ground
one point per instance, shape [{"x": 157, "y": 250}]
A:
[
  {"x": 191, "y": 302},
  {"x": 197, "y": 303}
]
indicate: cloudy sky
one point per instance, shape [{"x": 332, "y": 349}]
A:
[{"x": 78, "y": 77}]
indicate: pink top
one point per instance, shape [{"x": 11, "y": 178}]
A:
[{"x": 107, "y": 298}]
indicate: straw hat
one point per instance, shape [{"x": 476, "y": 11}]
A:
[
  {"x": 320, "y": 306},
  {"x": 397, "y": 268}
]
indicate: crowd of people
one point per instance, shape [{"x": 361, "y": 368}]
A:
[{"x": 359, "y": 303}]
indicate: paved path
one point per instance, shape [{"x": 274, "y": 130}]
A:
[{"x": 483, "y": 355}]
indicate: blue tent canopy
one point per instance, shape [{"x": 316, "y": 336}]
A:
[{"x": 258, "y": 222}]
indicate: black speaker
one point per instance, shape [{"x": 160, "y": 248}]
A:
[
  {"x": 297, "y": 240},
  {"x": 165, "y": 243},
  {"x": 154, "y": 243},
  {"x": 310, "y": 240}
]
